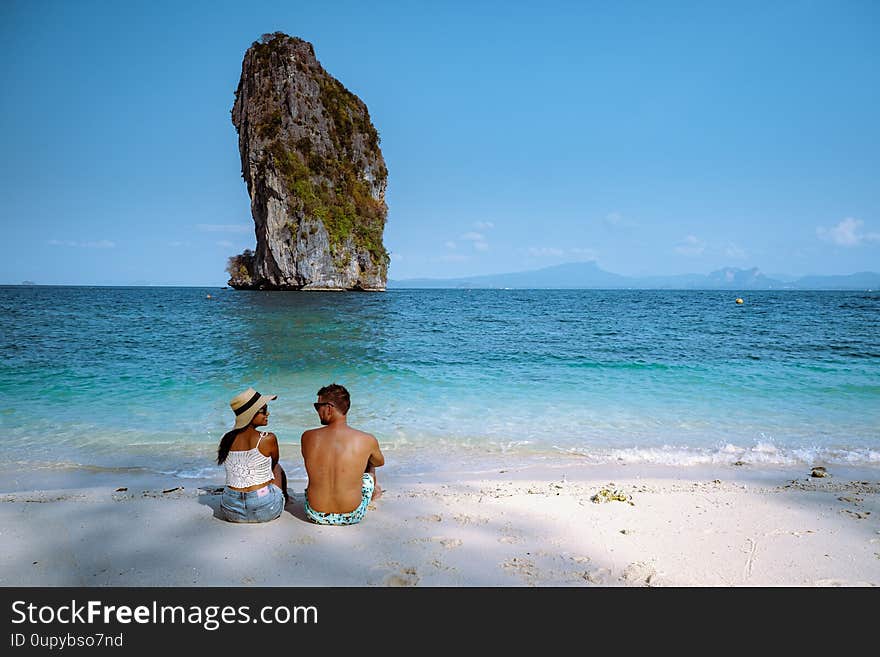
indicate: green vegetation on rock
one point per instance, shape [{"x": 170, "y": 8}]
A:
[
  {"x": 349, "y": 115},
  {"x": 347, "y": 209},
  {"x": 241, "y": 267}
]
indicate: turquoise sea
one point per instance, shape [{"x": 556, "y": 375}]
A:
[{"x": 138, "y": 379}]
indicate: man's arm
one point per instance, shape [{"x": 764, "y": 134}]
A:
[
  {"x": 377, "y": 459},
  {"x": 303, "y": 440}
]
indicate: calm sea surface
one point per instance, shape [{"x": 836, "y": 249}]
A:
[{"x": 106, "y": 378}]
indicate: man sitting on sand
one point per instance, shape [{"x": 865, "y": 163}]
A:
[{"x": 341, "y": 463}]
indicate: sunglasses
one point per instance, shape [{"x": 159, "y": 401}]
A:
[
  {"x": 318, "y": 405},
  {"x": 264, "y": 411}
]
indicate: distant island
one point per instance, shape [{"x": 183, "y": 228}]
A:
[{"x": 588, "y": 275}]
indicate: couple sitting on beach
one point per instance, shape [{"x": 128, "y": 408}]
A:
[{"x": 340, "y": 463}]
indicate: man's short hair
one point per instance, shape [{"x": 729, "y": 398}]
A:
[{"x": 338, "y": 395}]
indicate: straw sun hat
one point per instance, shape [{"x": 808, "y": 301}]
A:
[{"x": 246, "y": 405}]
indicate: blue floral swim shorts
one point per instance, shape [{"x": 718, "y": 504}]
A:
[{"x": 350, "y": 518}]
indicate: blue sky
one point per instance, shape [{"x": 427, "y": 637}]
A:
[{"x": 652, "y": 137}]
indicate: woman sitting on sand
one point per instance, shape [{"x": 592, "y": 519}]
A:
[{"x": 256, "y": 485}]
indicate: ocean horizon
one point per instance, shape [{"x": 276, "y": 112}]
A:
[{"x": 106, "y": 379}]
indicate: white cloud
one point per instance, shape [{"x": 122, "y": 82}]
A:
[
  {"x": 226, "y": 244},
  {"x": 483, "y": 225},
  {"x": 847, "y": 233},
  {"x": 588, "y": 254},
  {"x": 617, "y": 222},
  {"x": 99, "y": 244},
  {"x": 225, "y": 228},
  {"x": 734, "y": 251},
  {"x": 691, "y": 246},
  {"x": 477, "y": 239},
  {"x": 450, "y": 245},
  {"x": 545, "y": 252},
  {"x": 175, "y": 244}
]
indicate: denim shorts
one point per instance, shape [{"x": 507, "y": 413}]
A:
[{"x": 261, "y": 505}]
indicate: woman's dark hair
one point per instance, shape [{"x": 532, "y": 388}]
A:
[{"x": 225, "y": 443}]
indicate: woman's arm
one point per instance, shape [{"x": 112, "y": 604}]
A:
[{"x": 269, "y": 447}]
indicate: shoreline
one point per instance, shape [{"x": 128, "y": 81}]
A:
[
  {"x": 426, "y": 464},
  {"x": 522, "y": 525}
]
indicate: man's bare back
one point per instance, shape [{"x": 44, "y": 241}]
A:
[{"x": 336, "y": 457}]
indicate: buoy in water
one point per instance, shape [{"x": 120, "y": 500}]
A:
[
  {"x": 739, "y": 300},
  {"x": 209, "y": 296}
]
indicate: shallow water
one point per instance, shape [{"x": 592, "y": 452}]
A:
[{"x": 141, "y": 377}]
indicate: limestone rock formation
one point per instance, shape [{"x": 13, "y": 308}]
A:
[{"x": 315, "y": 175}]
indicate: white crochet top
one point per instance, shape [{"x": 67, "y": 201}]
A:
[{"x": 248, "y": 467}]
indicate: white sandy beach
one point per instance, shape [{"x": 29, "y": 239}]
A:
[{"x": 536, "y": 526}]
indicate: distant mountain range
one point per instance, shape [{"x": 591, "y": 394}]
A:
[{"x": 590, "y": 275}]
